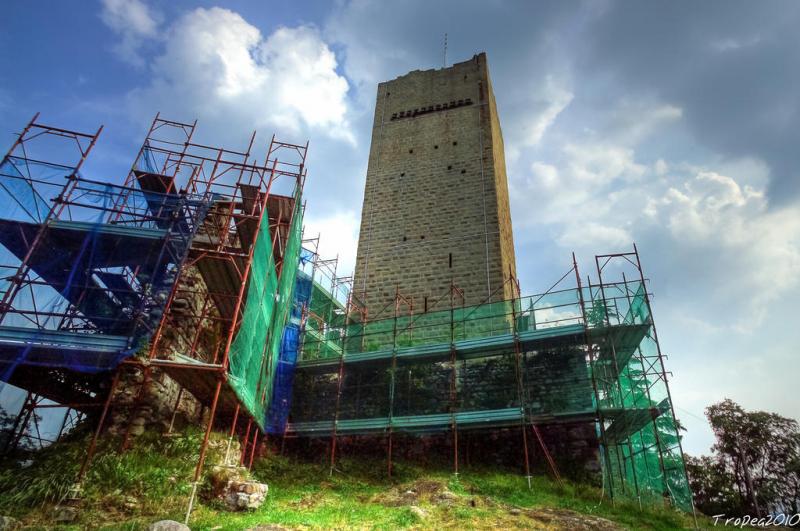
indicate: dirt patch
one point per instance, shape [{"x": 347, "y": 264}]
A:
[
  {"x": 565, "y": 519},
  {"x": 306, "y": 502},
  {"x": 433, "y": 499},
  {"x": 427, "y": 486},
  {"x": 420, "y": 491}
]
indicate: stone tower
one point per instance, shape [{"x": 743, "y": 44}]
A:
[{"x": 436, "y": 198}]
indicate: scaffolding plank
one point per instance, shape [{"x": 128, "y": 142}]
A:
[
  {"x": 247, "y": 226},
  {"x": 222, "y": 276},
  {"x": 465, "y": 349},
  {"x": 279, "y": 209},
  {"x": 71, "y": 252},
  {"x": 154, "y": 182},
  {"x": 201, "y": 382},
  {"x": 15, "y": 335},
  {"x": 120, "y": 288},
  {"x": 627, "y": 421},
  {"x": 56, "y": 348},
  {"x": 83, "y": 390},
  {"x": 162, "y": 200},
  {"x": 625, "y": 339},
  {"x": 475, "y": 419}
]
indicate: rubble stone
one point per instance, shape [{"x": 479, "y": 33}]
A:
[
  {"x": 241, "y": 495},
  {"x": 168, "y": 525},
  {"x": 7, "y": 523}
]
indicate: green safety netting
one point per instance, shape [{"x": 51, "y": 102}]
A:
[
  {"x": 254, "y": 352},
  {"x": 283, "y": 299},
  {"x": 392, "y": 378},
  {"x": 642, "y": 453},
  {"x": 326, "y": 331}
]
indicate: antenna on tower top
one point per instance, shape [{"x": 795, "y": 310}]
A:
[{"x": 444, "y": 55}]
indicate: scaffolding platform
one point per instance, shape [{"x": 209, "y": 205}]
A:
[
  {"x": 55, "y": 348},
  {"x": 618, "y": 341},
  {"x": 112, "y": 245},
  {"x": 78, "y": 390},
  {"x": 162, "y": 200},
  {"x": 496, "y": 418},
  {"x": 624, "y": 336},
  {"x": 625, "y": 422},
  {"x": 74, "y": 258},
  {"x": 413, "y": 423},
  {"x": 200, "y": 379}
]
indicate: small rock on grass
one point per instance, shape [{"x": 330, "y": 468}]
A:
[
  {"x": 168, "y": 525},
  {"x": 64, "y": 514},
  {"x": 418, "y": 512},
  {"x": 7, "y": 523}
]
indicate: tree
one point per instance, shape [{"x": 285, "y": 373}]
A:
[
  {"x": 712, "y": 488},
  {"x": 755, "y": 463}
]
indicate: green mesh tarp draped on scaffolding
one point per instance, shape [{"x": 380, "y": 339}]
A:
[
  {"x": 399, "y": 370},
  {"x": 254, "y": 352},
  {"x": 642, "y": 453},
  {"x": 326, "y": 334},
  {"x": 283, "y": 300}
]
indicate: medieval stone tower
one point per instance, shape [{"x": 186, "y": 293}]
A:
[{"x": 436, "y": 205}]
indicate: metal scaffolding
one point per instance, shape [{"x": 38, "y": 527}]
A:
[
  {"x": 195, "y": 268},
  {"x": 578, "y": 358},
  {"x": 176, "y": 271}
]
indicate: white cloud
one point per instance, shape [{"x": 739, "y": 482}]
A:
[
  {"x": 743, "y": 254},
  {"x": 632, "y": 121},
  {"x": 711, "y": 205},
  {"x": 599, "y": 164},
  {"x": 594, "y": 234},
  {"x": 730, "y": 44},
  {"x": 551, "y": 100},
  {"x": 545, "y": 175},
  {"x": 582, "y": 179},
  {"x": 338, "y": 234},
  {"x": 135, "y": 22},
  {"x": 661, "y": 167},
  {"x": 755, "y": 250},
  {"x": 219, "y": 68}
]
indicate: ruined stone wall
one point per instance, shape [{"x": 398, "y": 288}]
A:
[
  {"x": 160, "y": 400},
  {"x": 154, "y": 407},
  {"x": 436, "y": 196}
]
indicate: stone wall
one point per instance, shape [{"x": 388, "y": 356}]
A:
[
  {"x": 155, "y": 405},
  {"x": 436, "y": 196},
  {"x": 183, "y": 331}
]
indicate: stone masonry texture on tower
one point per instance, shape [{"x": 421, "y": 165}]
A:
[{"x": 436, "y": 206}]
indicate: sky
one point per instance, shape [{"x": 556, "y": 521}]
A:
[{"x": 673, "y": 125}]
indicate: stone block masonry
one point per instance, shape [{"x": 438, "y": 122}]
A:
[{"x": 436, "y": 206}]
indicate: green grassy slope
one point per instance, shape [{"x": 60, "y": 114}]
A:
[{"x": 151, "y": 482}]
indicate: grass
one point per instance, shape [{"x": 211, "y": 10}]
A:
[{"x": 151, "y": 482}]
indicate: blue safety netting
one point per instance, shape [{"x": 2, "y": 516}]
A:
[
  {"x": 278, "y": 413},
  {"x": 99, "y": 276}
]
